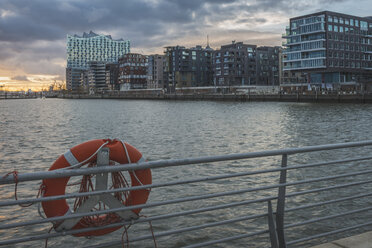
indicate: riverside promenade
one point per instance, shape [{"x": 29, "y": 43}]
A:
[
  {"x": 363, "y": 240},
  {"x": 313, "y": 97}
]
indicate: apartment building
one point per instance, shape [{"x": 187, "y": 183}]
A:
[
  {"x": 333, "y": 50},
  {"x": 188, "y": 67},
  {"x": 155, "y": 72},
  {"x": 239, "y": 64},
  {"x": 133, "y": 71}
]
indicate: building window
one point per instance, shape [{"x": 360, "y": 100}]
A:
[
  {"x": 335, "y": 28},
  {"x": 330, "y": 19},
  {"x": 335, "y": 19},
  {"x": 330, "y": 27},
  {"x": 341, "y": 29},
  {"x": 363, "y": 25},
  {"x": 351, "y": 22}
]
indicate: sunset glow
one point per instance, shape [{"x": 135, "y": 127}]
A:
[{"x": 33, "y": 40}]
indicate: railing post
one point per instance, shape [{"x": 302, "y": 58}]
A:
[
  {"x": 272, "y": 229},
  {"x": 281, "y": 204}
]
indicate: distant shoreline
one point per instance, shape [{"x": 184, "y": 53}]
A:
[
  {"x": 310, "y": 98},
  {"x": 329, "y": 98}
]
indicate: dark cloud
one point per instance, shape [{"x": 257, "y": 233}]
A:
[
  {"x": 20, "y": 78},
  {"x": 33, "y": 33},
  {"x": 252, "y": 20}
]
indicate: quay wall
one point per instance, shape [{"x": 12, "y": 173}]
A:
[
  {"x": 15, "y": 96},
  {"x": 330, "y": 98}
]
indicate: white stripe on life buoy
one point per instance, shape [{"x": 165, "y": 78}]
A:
[
  {"x": 70, "y": 158},
  {"x": 141, "y": 160}
]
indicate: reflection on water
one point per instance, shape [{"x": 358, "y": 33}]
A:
[{"x": 35, "y": 132}]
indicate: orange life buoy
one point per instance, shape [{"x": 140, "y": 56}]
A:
[{"x": 79, "y": 153}]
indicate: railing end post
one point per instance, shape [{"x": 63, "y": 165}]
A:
[
  {"x": 281, "y": 203},
  {"x": 272, "y": 228}
]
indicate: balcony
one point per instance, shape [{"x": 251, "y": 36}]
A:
[
  {"x": 304, "y": 59},
  {"x": 287, "y": 51},
  {"x": 304, "y": 41},
  {"x": 305, "y": 24},
  {"x": 306, "y": 33},
  {"x": 289, "y": 68}
]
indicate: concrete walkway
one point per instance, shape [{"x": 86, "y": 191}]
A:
[{"x": 359, "y": 241}]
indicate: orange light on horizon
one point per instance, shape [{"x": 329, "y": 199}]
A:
[{"x": 32, "y": 82}]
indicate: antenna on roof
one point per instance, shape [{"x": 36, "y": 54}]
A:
[{"x": 208, "y": 41}]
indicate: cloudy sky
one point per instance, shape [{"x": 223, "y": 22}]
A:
[{"x": 33, "y": 32}]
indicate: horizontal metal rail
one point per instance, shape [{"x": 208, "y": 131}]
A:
[
  {"x": 328, "y": 217},
  {"x": 141, "y": 220},
  {"x": 329, "y": 233},
  {"x": 175, "y": 162},
  {"x": 247, "y": 218},
  {"x": 224, "y": 240},
  {"x": 329, "y": 202},
  {"x": 180, "y": 200},
  {"x": 360, "y": 176},
  {"x": 186, "y": 229},
  {"x": 184, "y": 213},
  {"x": 157, "y": 185}
]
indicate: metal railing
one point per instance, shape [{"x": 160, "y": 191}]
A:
[{"x": 240, "y": 211}]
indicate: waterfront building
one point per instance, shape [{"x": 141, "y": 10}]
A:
[
  {"x": 91, "y": 47},
  {"x": 235, "y": 64},
  {"x": 268, "y": 65},
  {"x": 155, "y": 71},
  {"x": 188, "y": 67},
  {"x": 239, "y": 64},
  {"x": 74, "y": 79},
  {"x": 85, "y": 81},
  {"x": 112, "y": 76},
  {"x": 333, "y": 50},
  {"x": 97, "y": 76},
  {"x": 133, "y": 71}
]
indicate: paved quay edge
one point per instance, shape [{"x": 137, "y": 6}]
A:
[{"x": 363, "y": 240}]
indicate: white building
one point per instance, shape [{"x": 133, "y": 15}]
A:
[
  {"x": 81, "y": 50},
  {"x": 94, "y": 47}
]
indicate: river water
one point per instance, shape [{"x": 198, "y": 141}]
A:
[{"x": 35, "y": 132}]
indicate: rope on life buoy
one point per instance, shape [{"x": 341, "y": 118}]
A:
[
  {"x": 15, "y": 177},
  {"x": 125, "y": 232}
]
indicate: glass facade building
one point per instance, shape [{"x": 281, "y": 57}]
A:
[
  {"x": 306, "y": 39},
  {"x": 332, "y": 49},
  {"x": 93, "y": 47},
  {"x": 85, "y": 52}
]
